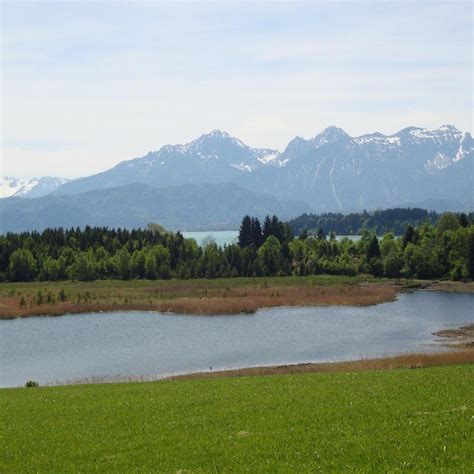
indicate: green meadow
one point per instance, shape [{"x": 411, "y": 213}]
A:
[{"x": 380, "y": 421}]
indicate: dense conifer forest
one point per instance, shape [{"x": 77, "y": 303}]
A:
[
  {"x": 443, "y": 250},
  {"x": 381, "y": 221}
]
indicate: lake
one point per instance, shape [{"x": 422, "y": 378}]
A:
[
  {"x": 150, "y": 344},
  {"x": 222, "y": 237},
  {"x": 226, "y": 237}
]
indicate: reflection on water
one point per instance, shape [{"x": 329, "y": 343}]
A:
[{"x": 51, "y": 349}]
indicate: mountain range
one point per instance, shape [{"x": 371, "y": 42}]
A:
[
  {"x": 213, "y": 158},
  {"x": 335, "y": 172},
  {"x": 330, "y": 172}
]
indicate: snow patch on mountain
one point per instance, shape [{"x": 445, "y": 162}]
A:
[
  {"x": 242, "y": 167},
  {"x": 439, "y": 162},
  {"x": 9, "y": 186},
  {"x": 29, "y": 187},
  {"x": 440, "y": 135}
]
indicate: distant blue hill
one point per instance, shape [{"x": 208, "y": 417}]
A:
[{"x": 186, "y": 207}]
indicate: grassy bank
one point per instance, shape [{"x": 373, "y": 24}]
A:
[
  {"x": 402, "y": 419},
  {"x": 405, "y": 361},
  {"x": 201, "y": 296}
]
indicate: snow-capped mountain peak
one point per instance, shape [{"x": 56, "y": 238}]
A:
[
  {"x": 10, "y": 186},
  {"x": 29, "y": 187},
  {"x": 329, "y": 135},
  {"x": 299, "y": 145},
  {"x": 216, "y": 133},
  {"x": 215, "y": 146},
  {"x": 445, "y": 133}
]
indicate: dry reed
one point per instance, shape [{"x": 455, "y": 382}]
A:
[
  {"x": 405, "y": 361},
  {"x": 199, "y": 299}
]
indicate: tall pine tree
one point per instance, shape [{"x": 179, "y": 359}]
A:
[{"x": 245, "y": 232}]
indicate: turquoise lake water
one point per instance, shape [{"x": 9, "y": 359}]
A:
[{"x": 225, "y": 237}]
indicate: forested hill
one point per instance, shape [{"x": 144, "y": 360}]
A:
[
  {"x": 185, "y": 207},
  {"x": 389, "y": 220}
]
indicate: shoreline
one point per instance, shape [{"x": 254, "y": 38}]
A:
[
  {"x": 402, "y": 361},
  {"x": 462, "y": 337},
  {"x": 457, "y": 355},
  {"x": 207, "y": 297}
]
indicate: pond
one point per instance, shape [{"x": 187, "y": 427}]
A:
[{"x": 112, "y": 346}]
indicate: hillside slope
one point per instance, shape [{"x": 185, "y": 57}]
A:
[{"x": 186, "y": 207}]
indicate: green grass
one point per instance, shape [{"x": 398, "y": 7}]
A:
[
  {"x": 7, "y": 289},
  {"x": 420, "y": 420}
]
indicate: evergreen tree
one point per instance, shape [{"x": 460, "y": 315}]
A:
[
  {"x": 267, "y": 228},
  {"x": 257, "y": 236},
  {"x": 410, "y": 236},
  {"x": 245, "y": 232},
  {"x": 373, "y": 251},
  {"x": 463, "y": 219},
  {"x": 470, "y": 254}
]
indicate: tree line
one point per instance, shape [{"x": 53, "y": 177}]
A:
[
  {"x": 443, "y": 250},
  {"x": 380, "y": 221}
]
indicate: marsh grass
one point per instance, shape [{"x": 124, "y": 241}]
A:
[{"x": 220, "y": 296}]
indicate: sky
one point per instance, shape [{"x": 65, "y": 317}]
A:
[{"x": 85, "y": 85}]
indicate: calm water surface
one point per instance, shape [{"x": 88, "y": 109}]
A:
[
  {"x": 226, "y": 237},
  {"x": 222, "y": 237},
  {"x": 111, "y": 345}
]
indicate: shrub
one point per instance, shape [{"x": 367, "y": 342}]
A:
[
  {"x": 62, "y": 295},
  {"x": 39, "y": 298},
  {"x": 31, "y": 383}
]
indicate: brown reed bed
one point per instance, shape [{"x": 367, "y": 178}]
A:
[
  {"x": 201, "y": 296},
  {"x": 189, "y": 298},
  {"x": 452, "y": 286},
  {"x": 405, "y": 361},
  {"x": 250, "y": 300},
  {"x": 61, "y": 309}
]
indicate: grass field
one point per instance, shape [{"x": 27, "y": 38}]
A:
[{"x": 419, "y": 420}]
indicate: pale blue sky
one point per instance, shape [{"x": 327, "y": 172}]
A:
[{"x": 88, "y": 84}]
